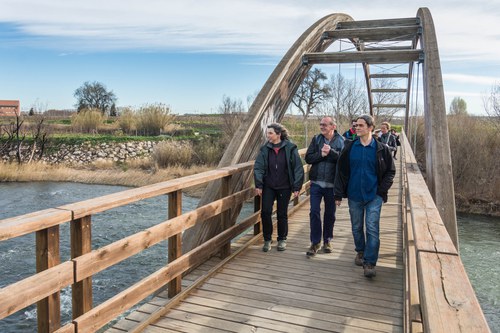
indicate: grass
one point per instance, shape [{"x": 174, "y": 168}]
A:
[{"x": 107, "y": 173}]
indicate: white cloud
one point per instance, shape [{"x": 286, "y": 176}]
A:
[
  {"x": 252, "y": 27},
  {"x": 471, "y": 79}
]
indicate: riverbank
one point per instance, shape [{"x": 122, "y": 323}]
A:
[{"x": 105, "y": 174}]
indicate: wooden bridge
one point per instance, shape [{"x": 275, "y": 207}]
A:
[{"x": 219, "y": 279}]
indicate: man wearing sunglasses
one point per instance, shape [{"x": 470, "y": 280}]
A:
[
  {"x": 365, "y": 173},
  {"x": 322, "y": 154}
]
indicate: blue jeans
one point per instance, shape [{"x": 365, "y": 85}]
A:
[
  {"x": 370, "y": 244},
  {"x": 317, "y": 232},
  {"x": 282, "y": 198}
]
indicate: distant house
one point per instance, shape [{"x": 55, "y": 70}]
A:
[{"x": 10, "y": 108}]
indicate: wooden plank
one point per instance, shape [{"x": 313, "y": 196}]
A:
[
  {"x": 430, "y": 233},
  {"x": 81, "y": 243},
  {"x": 379, "y": 23},
  {"x": 100, "y": 259},
  {"x": 48, "y": 256},
  {"x": 225, "y": 217},
  {"x": 394, "y": 106},
  {"x": 449, "y": 303},
  {"x": 388, "y": 48},
  {"x": 28, "y": 223},
  {"x": 375, "y": 57},
  {"x": 99, "y": 204},
  {"x": 19, "y": 295},
  {"x": 375, "y": 34},
  {"x": 103, "y": 313},
  {"x": 383, "y": 76},
  {"x": 388, "y": 90},
  {"x": 68, "y": 328},
  {"x": 313, "y": 310},
  {"x": 175, "y": 241}
]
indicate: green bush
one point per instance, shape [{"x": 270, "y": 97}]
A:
[
  {"x": 172, "y": 153},
  {"x": 87, "y": 120},
  {"x": 152, "y": 119}
]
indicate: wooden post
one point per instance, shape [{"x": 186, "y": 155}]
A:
[
  {"x": 174, "y": 242},
  {"x": 257, "y": 203},
  {"x": 47, "y": 256},
  {"x": 81, "y": 243},
  {"x": 225, "y": 217}
]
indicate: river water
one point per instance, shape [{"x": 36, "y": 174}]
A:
[{"x": 479, "y": 245}]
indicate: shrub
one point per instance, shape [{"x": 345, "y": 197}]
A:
[
  {"x": 171, "y": 153},
  {"x": 151, "y": 119},
  {"x": 87, "y": 120},
  {"x": 127, "y": 121},
  {"x": 208, "y": 152}
]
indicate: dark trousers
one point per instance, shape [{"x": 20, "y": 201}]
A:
[
  {"x": 317, "y": 193},
  {"x": 282, "y": 198}
]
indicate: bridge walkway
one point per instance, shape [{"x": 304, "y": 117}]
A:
[{"x": 289, "y": 292}]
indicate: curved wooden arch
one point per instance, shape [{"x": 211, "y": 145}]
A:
[
  {"x": 269, "y": 106},
  {"x": 437, "y": 143}
]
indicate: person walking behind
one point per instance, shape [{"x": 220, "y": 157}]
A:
[
  {"x": 398, "y": 143},
  {"x": 365, "y": 173},
  {"x": 278, "y": 172},
  {"x": 323, "y": 153},
  {"x": 350, "y": 134},
  {"x": 387, "y": 138}
]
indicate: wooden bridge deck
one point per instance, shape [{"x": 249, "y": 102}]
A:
[{"x": 289, "y": 292}]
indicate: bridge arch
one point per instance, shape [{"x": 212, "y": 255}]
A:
[{"x": 274, "y": 98}]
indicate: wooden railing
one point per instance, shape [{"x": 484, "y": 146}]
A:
[
  {"x": 52, "y": 276},
  {"x": 439, "y": 295}
]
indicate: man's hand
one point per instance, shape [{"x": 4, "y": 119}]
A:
[
  {"x": 258, "y": 191},
  {"x": 338, "y": 202},
  {"x": 325, "y": 150},
  {"x": 295, "y": 194}
]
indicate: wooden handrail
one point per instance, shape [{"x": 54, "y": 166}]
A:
[
  {"x": 447, "y": 301},
  {"x": 85, "y": 263}
]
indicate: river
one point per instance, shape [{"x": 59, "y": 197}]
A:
[{"x": 479, "y": 245}]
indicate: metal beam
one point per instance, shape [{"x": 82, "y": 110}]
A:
[
  {"x": 379, "y": 57},
  {"x": 375, "y": 34},
  {"x": 388, "y": 48}
]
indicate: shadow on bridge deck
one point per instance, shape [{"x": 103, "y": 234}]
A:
[{"x": 289, "y": 292}]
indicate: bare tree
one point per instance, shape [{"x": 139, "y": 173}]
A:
[
  {"x": 386, "y": 98},
  {"x": 232, "y": 112},
  {"x": 311, "y": 92},
  {"x": 94, "y": 95},
  {"x": 348, "y": 99},
  {"x": 492, "y": 104}
]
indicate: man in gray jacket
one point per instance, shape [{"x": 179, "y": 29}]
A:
[{"x": 322, "y": 154}]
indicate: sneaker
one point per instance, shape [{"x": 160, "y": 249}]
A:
[
  {"x": 313, "y": 249},
  {"x": 359, "y": 259},
  {"x": 369, "y": 270},
  {"x": 282, "y": 245},
  {"x": 327, "y": 247},
  {"x": 267, "y": 246}
]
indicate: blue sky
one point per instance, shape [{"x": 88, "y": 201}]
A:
[{"x": 189, "y": 54}]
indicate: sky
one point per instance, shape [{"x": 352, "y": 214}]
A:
[{"x": 190, "y": 54}]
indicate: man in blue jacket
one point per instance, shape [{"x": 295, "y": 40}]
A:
[
  {"x": 323, "y": 153},
  {"x": 365, "y": 173}
]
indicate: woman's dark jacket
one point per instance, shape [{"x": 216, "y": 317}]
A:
[
  {"x": 386, "y": 170},
  {"x": 323, "y": 168},
  {"x": 294, "y": 165}
]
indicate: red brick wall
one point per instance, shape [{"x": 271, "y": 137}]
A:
[{"x": 9, "y": 108}]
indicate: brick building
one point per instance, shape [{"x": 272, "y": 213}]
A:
[{"x": 10, "y": 108}]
